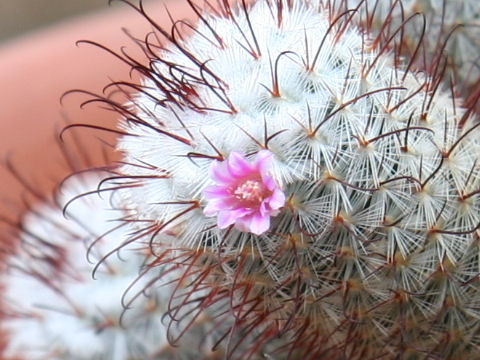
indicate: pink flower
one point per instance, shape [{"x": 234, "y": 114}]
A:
[{"x": 245, "y": 194}]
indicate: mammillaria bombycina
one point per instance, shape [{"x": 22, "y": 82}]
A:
[
  {"x": 59, "y": 306},
  {"x": 360, "y": 240}
]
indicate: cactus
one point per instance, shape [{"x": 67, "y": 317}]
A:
[
  {"x": 55, "y": 310},
  {"x": 358, "y": 239},
  {"x": 291, "y": 187},
  {"x": 450, "y": 29}
]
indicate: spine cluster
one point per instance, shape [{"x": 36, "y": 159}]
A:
[{"x": 449, "y": 33}]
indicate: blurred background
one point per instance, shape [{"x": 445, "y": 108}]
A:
[
  {"x": 39, "y": 61},
  {"x": 18, "y": 17}
]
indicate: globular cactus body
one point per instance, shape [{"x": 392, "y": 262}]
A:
[
  {"x": 374, "y": 253},
  {"x": 56, "y": 310}
]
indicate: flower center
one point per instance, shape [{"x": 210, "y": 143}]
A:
[{"x": 251, "y": 191}]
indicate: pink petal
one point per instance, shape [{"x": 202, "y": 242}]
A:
[
  {"x": 238, "y": 165},
  {"x": 243, "y": 224},
  {"x": 217, "y": 205},
  {"x": 277, "y": 199},
  {"x": 216, "y": 192},
  {"x": 259, "y": 224},
  {"x": 263, "y": 161},
  {"x": 263, "y": 209},
  {"x": 219, "y": 173},
  {"x": 269, "y": 182},
  {"x": 229, "y": 217}
]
